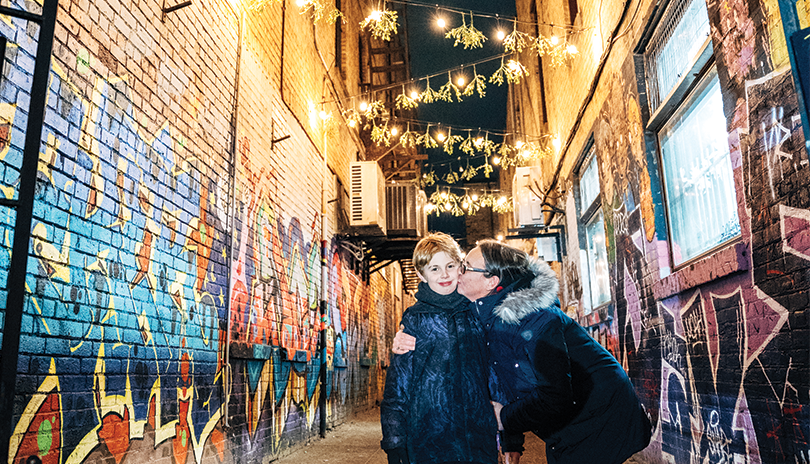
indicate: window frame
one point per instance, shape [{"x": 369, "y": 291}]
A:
[
  {"x": 586, "y": 215},
  {"x": 683, "y": 93}
]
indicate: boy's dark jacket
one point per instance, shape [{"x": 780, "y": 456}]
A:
[
  {"x": 558, "y": 382},
  {"x": 436, "y": 402}
]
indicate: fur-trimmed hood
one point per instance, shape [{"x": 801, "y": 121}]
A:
[{"x": 542, "y": 293}]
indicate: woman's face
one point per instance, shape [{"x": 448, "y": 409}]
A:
[{"x": 441, "y": 274}]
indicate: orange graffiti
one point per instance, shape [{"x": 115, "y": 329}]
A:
[{"x": 114, "y": 433}]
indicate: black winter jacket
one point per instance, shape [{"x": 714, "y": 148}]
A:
[
  {"x": 436, "y": 401},
  {"x": 558, "y": 381}
]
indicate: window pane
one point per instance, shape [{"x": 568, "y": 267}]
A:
[
  {"x": 681, "y": 47},
  {"x": 698, "y": 175},
  {"x": 589, "y": 184},
  {"x": 599, "y": 279}
]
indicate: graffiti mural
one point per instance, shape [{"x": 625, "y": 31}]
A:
[{"x": 172, "y": 308}]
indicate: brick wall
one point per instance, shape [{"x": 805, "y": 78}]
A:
[
  {"x": 172, "y": 238},
  {"x": 718, "y": 348}
]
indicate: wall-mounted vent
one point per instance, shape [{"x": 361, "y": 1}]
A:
[
  {"x": 367, "y": 209},
  {"x": 405, "y": 210}
]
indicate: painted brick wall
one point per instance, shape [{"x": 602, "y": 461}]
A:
[
  {"x": 718, "y": 349},
  {"x": 172, "y": 238}
]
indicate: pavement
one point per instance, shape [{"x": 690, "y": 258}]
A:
[{"x": 357, "y": 441}]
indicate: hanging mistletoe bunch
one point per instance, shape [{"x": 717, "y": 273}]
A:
[
  {"x": 449, "y": 89},
  {"x": 405, "y": 102},
  {"x": 513, "y": 71},
  {"x": 468, "y": 36},
  {"x": 382, "y": 23},
  {"x": 477, "y": 84}
]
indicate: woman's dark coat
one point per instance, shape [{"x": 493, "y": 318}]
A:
[
  {"x": 436, "y": 401},
  {"x": 559, "y": 383}
]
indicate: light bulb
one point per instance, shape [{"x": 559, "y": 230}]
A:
[
  {"x": 572, "y": 49},
  {"x": 554, "y": 40},
  {"x": 448, "y": 206},
  {"x": 501, "y": 200},
  {"x": 363, "y": 106},
  {"x": 376, "y": 15},
  {"x": 519, "y": 144},
  {"x": 479, "y": 141},
  {"x": 461, "y": 81},
  {"x": 460, "y": 169},
  {"x": 352, "y": 123},
  {"x": 496, "y": 160},
  {"x": 440, "y": 136},
  {"x": 301, "y": 3},
  {"x": 500, "y": 34},
  {"x": 465, "y": 204},
  {"x": 440, "y": 22},
  {"x": 414, "y": 95},
  {"x": 475, "y": 197},
  {"x": 394, "y": 131},
  {"x": 324, "y": 114},
  {"x": 514, "y": 66},
  {"x": 556, "y": 142},
  {"x": 500, "y": 238}
]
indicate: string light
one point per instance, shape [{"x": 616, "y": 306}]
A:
[
  {"x": 554, "y": 40},
  {"x": 500, "y": 34},
  {"x": 441, "y": 23},
  {"x": 461, "y": 81}
]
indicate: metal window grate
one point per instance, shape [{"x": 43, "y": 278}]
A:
[{"x": 676, "y": 43}]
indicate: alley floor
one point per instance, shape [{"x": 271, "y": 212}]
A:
[{"x": 357, "y": 441}]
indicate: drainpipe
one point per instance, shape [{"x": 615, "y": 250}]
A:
[
  {"x": 324, "y": 293},
  {"x": 227, "y": 379},
  {"x": 24, "y": 204}
]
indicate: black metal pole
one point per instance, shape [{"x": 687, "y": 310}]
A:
[{"x": 22, "y": 228}]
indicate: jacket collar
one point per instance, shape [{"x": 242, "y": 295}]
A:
[{"x": 541, "y": 293}]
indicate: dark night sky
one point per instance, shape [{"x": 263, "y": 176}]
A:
[{"x": 430, "y": 53}]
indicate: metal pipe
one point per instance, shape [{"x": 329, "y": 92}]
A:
[
  {"x": 227, "y": 379},
  {"x": 323, "y": 293},
  {"x": 17, "y": 272}
]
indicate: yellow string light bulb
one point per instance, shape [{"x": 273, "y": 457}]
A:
[
  {"x": 441, "y": 23},
  {"x": 394, "y": 131},
  {"x": 519, "y": 144},
  {"x": 496, "y": 160},
  {"x": 500, "y": 34},
  {"x": 448, "y": 206},
  {"x": 557, "y": 143},
  {"x": 572, "y": 49},
  {"x": 474, "y": 197},
  {"x": 414, "y": 95},
  {"x": 351, "y": 123},
  {"x": 554, "y": 40},
  {"x": 363, "y": 106},
  {"x": 375, "y": 15},
  {"x": 461, "y": 81},
  {"x": 440, "y": 136}
]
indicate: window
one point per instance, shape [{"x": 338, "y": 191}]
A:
[
  {"x": 595, "y": 272},
  {"x": 688, "y": 118}
]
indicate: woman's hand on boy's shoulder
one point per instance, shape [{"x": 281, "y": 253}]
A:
[{"x": 403, "y": 342}]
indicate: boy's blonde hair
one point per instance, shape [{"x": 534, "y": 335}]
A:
[{"x": 436, "y": 242}]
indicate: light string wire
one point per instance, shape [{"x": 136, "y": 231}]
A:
[{"x": 484, "y": 14}]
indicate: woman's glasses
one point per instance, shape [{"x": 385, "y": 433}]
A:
[{"x": 466, "y": 267}]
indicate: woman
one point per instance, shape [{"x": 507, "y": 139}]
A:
[{"x": 436, "y": 406}]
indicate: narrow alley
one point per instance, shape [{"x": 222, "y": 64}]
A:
[{"x": 357, "y": 441}]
